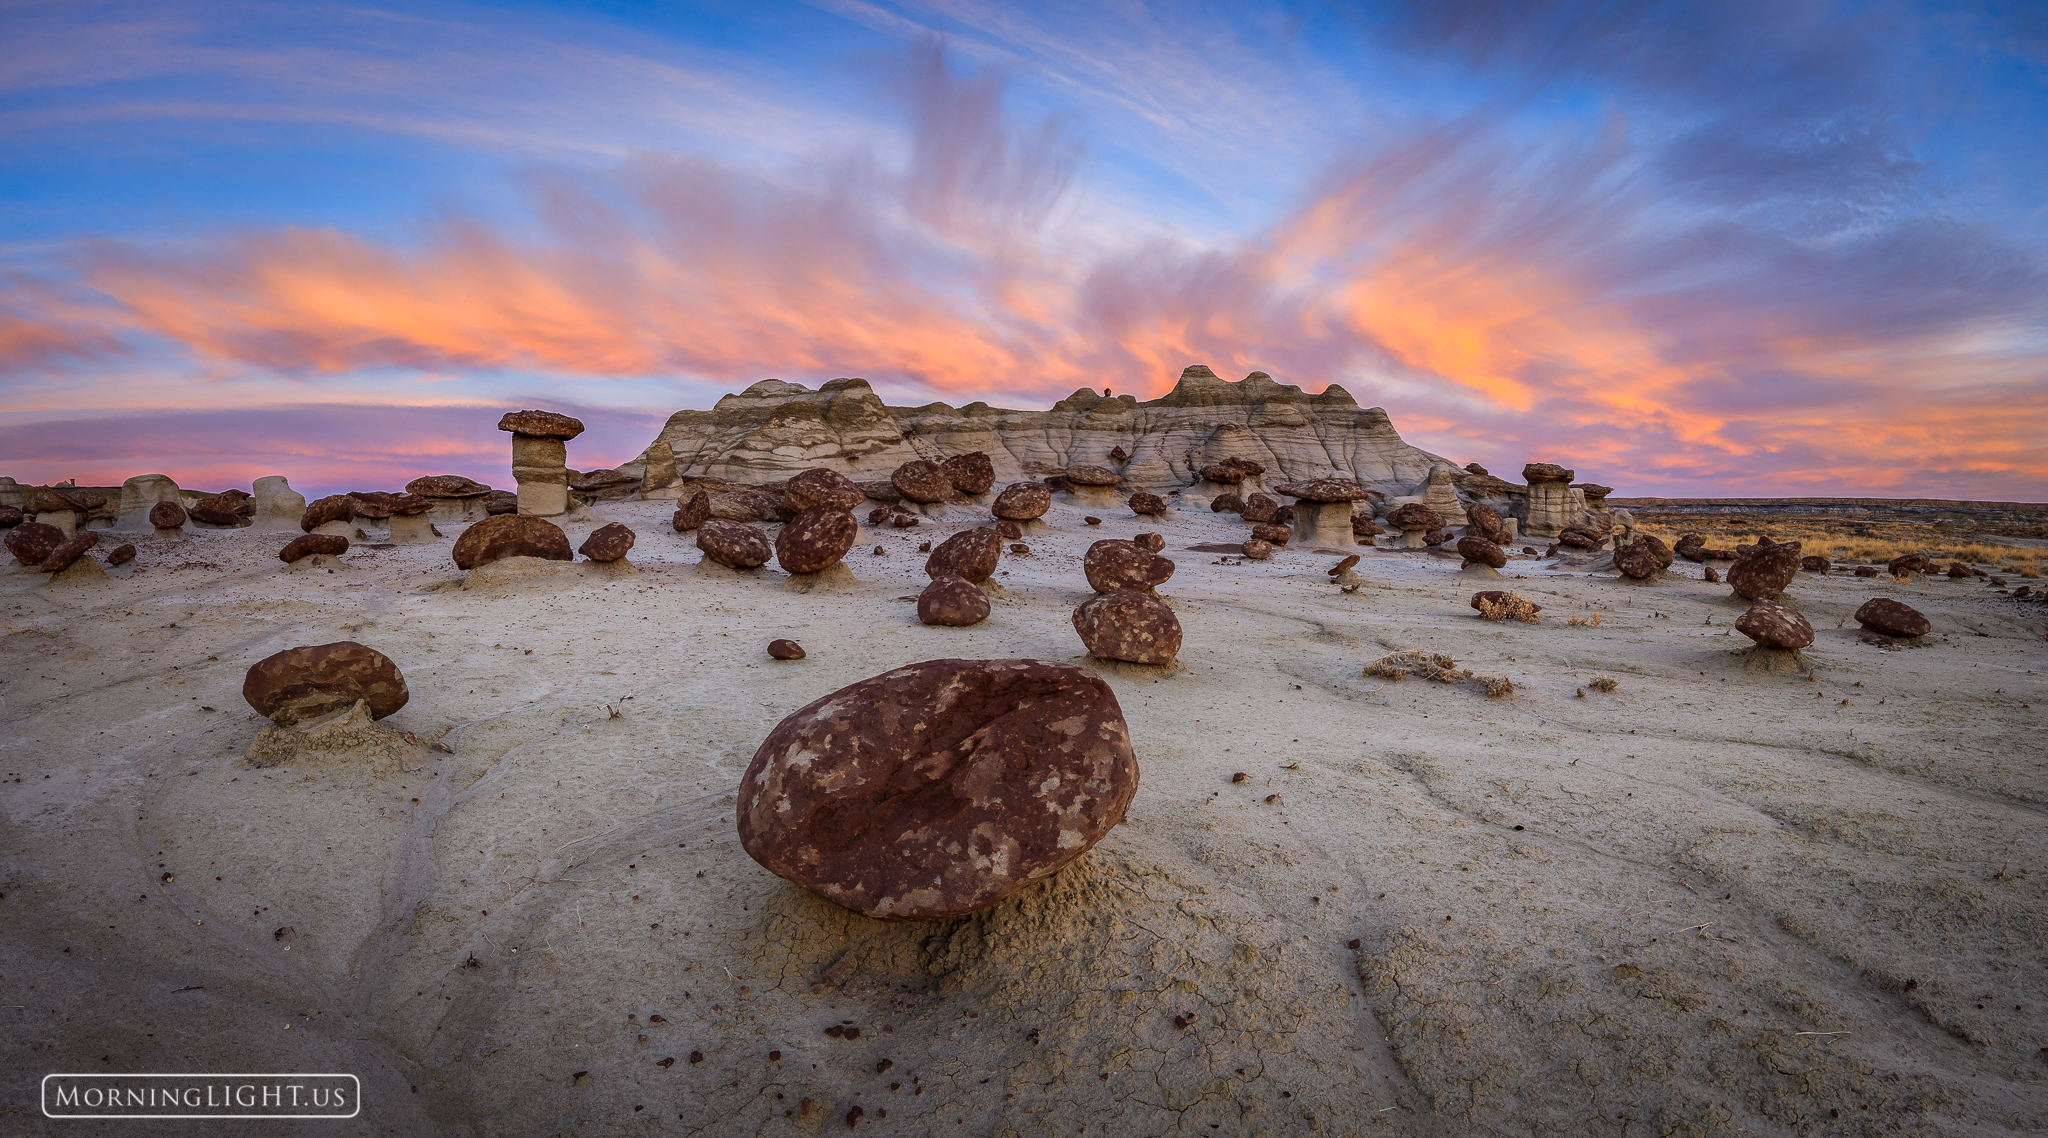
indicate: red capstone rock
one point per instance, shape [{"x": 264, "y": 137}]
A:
[
  {"x": 298, "y": 684},
  {"x": 510, "y": 535},
  {"x": 821, "y": 487},
  {"x": 1260, "y": 508},
  {"x": 922, "y": 482},
  {"x": 121, "y": 555},
  {"x": 1022, "y": 501},
  {"x": 1766, "y": 570},
  {"x": 447, "y": 486},
  {"x": 541, "y": 425},
  {"x": 1480, "y": 551},
  {"x": 218, "y": 510},
  {"x": 1113, "y": 565},
  {"x": 333, "y": 508},
  {"x": 1772, "y": 625},
  {"x": 1414, "y": 516},
  {"x": 734, "y": 544},
  {"x": 1324, "y": 490},
  {"x": 1085, "y": 474},
  {"x": 306, "y": 545},
  {"x": 609, "y": 542}
]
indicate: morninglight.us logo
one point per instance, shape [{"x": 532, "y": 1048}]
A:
[{"x": 202, "y": 1096}]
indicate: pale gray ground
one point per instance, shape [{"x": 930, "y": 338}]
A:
[{"x": 1710, "y": 902}]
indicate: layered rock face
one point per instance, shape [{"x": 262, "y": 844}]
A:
[{"x": 774, "y": 429}]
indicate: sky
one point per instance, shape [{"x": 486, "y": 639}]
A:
[{"x": 1730, "y": 249}]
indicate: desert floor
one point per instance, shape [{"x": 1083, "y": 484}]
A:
[{"x": 1715, "y": 900}]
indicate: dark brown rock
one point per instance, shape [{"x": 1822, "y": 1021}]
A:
[
  {"x": 610, "y": 542},
  {"x": 1344, "y": 566},
  {"x": 70, "y": 550},
  {"x": 1577, "y": 540},
  {"x": 13, "y": 516},
  {"x": 952, "y": 602},
  {"x": 1657, "y": 547},
  {"x": 815, "y": 539},
  {"x": 1436, "y": 537},
  {"x": 1414, "y": 516},
  {"x": 1283, "y": 516},
  {"x": 447, "y": 486},
  {"x": 1323, "y": 490},
  {"x": 1119, "y": 454},
  {"x": 511, "y": 535},
  {"x": 1019, "y": 547},
  {"x": 501, "y": 502},
  {"x": 821, "y": 487},
  {"x": 1637, "y": 561},
  {"x": 1475, "y": 468},
  {"x": 1009, "y": 531},
  {"x": 1766, "y": 570},
  {"x": 604, "y": 484},
  {"x": 1092, "y": 521},
  {"x": 1086, "y": 475},
  {"x": 1133, "y": 627},
  {"x": 218, "y": 510},
  {"x": 922, "y": 482},
  {"x": 970, "y": 473},
  {"x": 1689, "y": 545},
  {"x": 1536, "y": 472},
  {"x": 1596, "y": 494},
  {"x": 306, "y": 545},
  {"x": 1772, "y": 625},
  {"x": 381, "y": 504},
  {"x": 1813, "y": 564},
  {"x": 1866, "y": 570},
  {"x": 1480, "y": 551},
  {"x": 878, "y": 515},
  {"x": 904, "y": 521},
  {"x": 1362, "y": 526},
  {"x": 941, "y": 788},
  {"x": 881, "y": 490},
  {"x": 167, "y": 515},
  {"x": 540, "y": 425},
  {"x": 1485, "y": 521},
  {"x": 333, "y": 508},
  {"x": 691, "y": 512},
  {"x": 121, "y": 555},
  {"x": 298, "y": 684},
  {"x": 1146, "y": 504},
  {"x": 734, "y": 544},
  {"x": 1882, "y": 614},
  {"x": 1226, "y": 502},
  {"x": 1257, "y": 548},
  {"x": 1710, "y": 575},
  {"x": 972, "y": 554},
  {"x": 1277, "y": 534},
  {"x": 32, "y": 542},
  {"x": 1022, "y": 501},
  {"x": 1150, "y": 542},
  {"x": 1226, "y": 473},
  {"x": 1113, "y": 565},
  {"x": 785, "y": 650},
  {"x": 1957, "y": 571},
  {"x": 1260, "y": 508},
  {"x": 49, "y": 500},
  {"x": 1906, "y": 564}
]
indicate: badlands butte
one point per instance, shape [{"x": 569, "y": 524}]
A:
[{"x": 1213, "y": 764}]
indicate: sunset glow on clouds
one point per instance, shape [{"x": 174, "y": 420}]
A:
[{"x": 1705, "y": 250}]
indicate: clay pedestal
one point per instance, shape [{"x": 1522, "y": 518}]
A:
[
  {"x": 1325, "y": 524},
  {"x": 541, "y": 467}
]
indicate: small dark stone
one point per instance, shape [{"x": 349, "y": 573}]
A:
[
  {"x": 1257, "y": 548},
  {"x": 1009, "y": 531},
  {"x": 1093, "y": 521},
  {"x": 1151, "y": 542},
  {"x": 1814, "y": 564},
  {"x": 306, "y": 545},
  {"x": 1866, "y": 570},
  {"x": 609, "y": 542},
  {"x": 1019, "y": 547},
  {"x": 1230, "y": 503},
  {"x": 785, "y": 650},
  {"x": 904, "y": 521},
  {"x": 1341, "y": 567},
  {"x": 121, "y": 555}
]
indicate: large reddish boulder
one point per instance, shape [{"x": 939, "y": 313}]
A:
[
  {"x": 333, "y": 508},
  {"x": 219, "y": 510},
  {"x": 447, "y": 486},
  {"x": 1260, "y": 508},
  {"x": 1229, "y": 503},
  {"x": 952, "y": 602},
  {"x": 922, "y": 482},
  {"x": 1414, "y": 517},
  {"x": 511, "y": 535},
  {"x": 32, "y": 542},
  {"x": 1766, "y": 570},
  {"x": 305, "y": 683},
  {"x": 1485, "y": 521},
  {"x": 1892, "y": 618},
  {"x": 1324, "y": 490},
  {"x": 1772, "y": 625},
  {"x": 972, "y": 554},
  {"x": 540, "y": 425},
  {"x": 1479, "y": 551},
  {"x": 1022, "y": 501},
  {"x": 1135, "y": 627},
  {"x": 71, "y": 550},
  {"x": 1274, "y": 533},
  {"x": 1257, "y": 548},
  {"x": 938, "y": 789},
  {"x": 691, "y": 512},
  {"x": 1146, "y": 504},
  {"x": 1362, "y": 526},
  {"x": 815, "y": 539},
  {"x": 167, "y": 515},
  {"x": 1086, "y": 474},
  {"x": 609, "y": 542},
  {"x": 970, "y": 473},
  {"x": 306, "y": 545},
  {"x": 821, "y": 487},
  {"x": 733, "y": 544},
  {"x": 1113, "y": 565}
]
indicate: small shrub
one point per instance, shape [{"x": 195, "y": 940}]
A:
[
  {"x": 1496, "y": 686},
  {"x": 1426, "y": 665},
  {"x": 1511, "y": 607},
  {"x": 1603, "y": 683},
  {"x": 1577, "y": 621}
]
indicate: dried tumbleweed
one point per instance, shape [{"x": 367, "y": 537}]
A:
[
  {"x": 1513, "y": 606},
  {"x": 1427, "y": 665}
]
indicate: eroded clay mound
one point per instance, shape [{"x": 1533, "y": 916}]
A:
[{"x": 938, "y": 789}]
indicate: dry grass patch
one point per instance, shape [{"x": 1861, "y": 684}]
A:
[{"x": 1511, "y": 607}]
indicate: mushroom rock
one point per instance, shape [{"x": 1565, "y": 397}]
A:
[
  {"x": 921, "y": 482},
  {"x": 1440, "y": 493},
  {"x": 1150, "y": 542},
  {"x": 952, "y": 601},
  {"x": 1226, "y": 502},
  {"x": 1551, "y": 505},
  {"x": 608, "y": 543},
  {"x": 1022, "y": 502},
  {"x": 658, "y": 475},
  {"x": 691, "y": 512},
  {"x": 510, "y": 535},
  {"x": 1113, "y": 565},
  {"x": 817, "y": 538},
  {"x": 141, "y": 494},
  {"x": 53, "y": 507},
  {"x": 66, "y": 552},
  {"x": 1323, "y": 509},
  {"x": 938, "y": 789},
  {"x": 1256, "y": 548},
  {"x": 168, "y": 519},
  {"x": 1278, "y": 535},
  {"x": 276, "y": 505},
  {"x": 300, "y": 684},
  {"x": 1485, "y": 521},
  {"x": 821, "y": 487},
  {"x": 1134, "y": 627},
  {"x": 1089, "y": 485},
  {"x": 333, "y": 514},
  {"x": 1892, "y": 618},
  {"x": 452, "y": 497},
  {"x": 219, "y": 511},
  {"x": 540, "y": 459},
  {"x": 603, "y": 485},
  {"x": 121, "y": 555},
  {"x": 1479, "y": 552},
  {"x": 1765, "y": 571},
  {"x": 1772, "y": 625},
  {"x": 1147, "y": 504},
  {"x": 972, "y": 473},
  {"x": 1414, "y": 520},
  {"x": 1595, "y": 494},
  {"x": 1637, "y": 562},
  {"x": 410, "y": 517},
  {"x": 785, "y": 650},
  {"x": 1260, "y": 508},
  {"x": 735, "y": 545},
  {"x": 32, "y": 542},
  {"x": 972, "y": 554}
]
